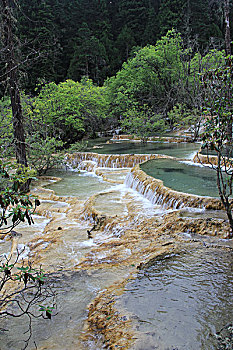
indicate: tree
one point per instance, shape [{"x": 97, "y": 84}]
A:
[
  {"x": 6, "y": 128},
  {"x": 23, "y": 288},
  {"x": 218, "y": 88},
  {"x": 125, "y": 42},
  {"x": 51, "y": 27},
  {"x": 89, "y": 56},
  {"x": 43, "y": 150},
  {"x": 70, "y": 109},
  {"x": 171, "y": 15},
  {"x": 151, "y": 77},
  {"x": 182, "y": 116},
  {"x": 37, "y": 30},
  {"x": 11, "y": 74},
  {"x": 140, "y": 121},
  {"x": 227, "y": 28},
  {"x": 133, "y": 14},
  {"x": 190, "y": 88}
]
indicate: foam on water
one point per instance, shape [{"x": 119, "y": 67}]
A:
[
  {"x": 56, "y": 204},
  {"x": 23, "y": 251},
  {"x": 88, "y": 243}
]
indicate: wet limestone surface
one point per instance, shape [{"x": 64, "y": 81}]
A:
[
  {"x": 144, "y": 240},
  {"x": 154, "y": 190},
  {"x": 58, "y": 247},
  {"x": 208, "y": 159},
  {"x": 119, "y": 248}
]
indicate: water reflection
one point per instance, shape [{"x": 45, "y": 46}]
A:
[
  {"x": 181, "y": 150},
  {"x": 183, "y": 177},
  {"x": 77, "y": 184}
]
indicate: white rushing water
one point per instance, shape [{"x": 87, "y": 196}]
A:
[{"x": 63, "y": 244}]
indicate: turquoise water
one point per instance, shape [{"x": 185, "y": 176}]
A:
[
  {"x": 76, "y": 184},
  {"x": 183, "y": 177},
  {"x": 181, "y": 301},
  {"x": 180, "y": 150}
]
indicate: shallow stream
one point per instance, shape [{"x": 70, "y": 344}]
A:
[
  {"x": 181, "y": 301},
  {"x": 180, "y": 294}
]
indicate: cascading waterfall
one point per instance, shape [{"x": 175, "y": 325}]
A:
[
  {"x": 83, "y": 160},
  {"x": 153, "y": 195},
  {"x": 151, "y": 188},
  {"x": 155, "y": 191}
]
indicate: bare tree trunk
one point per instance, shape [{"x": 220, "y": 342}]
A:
[
  {"x": 227, "y": 29},
  {"x": 12, "y": 82},
  {"x": 228, "y": 53},
  {"x": 223, "y": 195},
  {"x": 19, "y": 137}
]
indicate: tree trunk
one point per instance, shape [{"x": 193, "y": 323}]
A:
[
  {"x": 12, "y": 82},
  {"x": 19, "y": 137},
  {"x": 228, "y": 53},
  {"x": 230, "y": 219},
  {"x": 223, "y": 196},
  {"x": 227, "y": 28}
]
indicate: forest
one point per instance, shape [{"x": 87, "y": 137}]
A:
[
  {"x": 69, "y": 39},
  {"x": 90, "y": 66}
]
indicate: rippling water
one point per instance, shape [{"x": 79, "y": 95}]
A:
[
  {"x": 181, "y": 150},
  {"x": 74, "y": 291},
  {"x": 181, "y": 301},
  {"x": 77, "y": 184},
  {"x": 183, "y": 177}
]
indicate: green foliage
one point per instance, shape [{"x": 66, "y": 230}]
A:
[
  {"x": 212, "y": 60},
  {"x": 48, "y": 310},
  {"x": 27, "y": 274},
  {"x": 37, "y": 29},
  {"x": 42, "y": 149},
  {"x": 125, "y": 42},
  {"x": 15, "y": 206},
  {"x": 218, "y": 88},
  {"x": 171, "y": 15},
  {"x": 89, "y": 56},
  {"x": 176, "y": 115},
  {"x": 62, "y": 33},
  {"x": 218, "y": 132},
  {"x": 78, "y": 147},
  {"x": 142, "y": 122},
  {"x": 30, "y": 290},
  {"x": 149, "y": 78},
  {"x": 59, "y": 106},
  {"x": 183, "y": 117},
  {"x": 167, "y": 79},
  {"x": 61, "y": 115},
  {"x": 22, "y": 287},
  {"x": 6, "y": 128},
  {"x": 71, "y": 109},
  {"x": 43, "y": 153}
]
